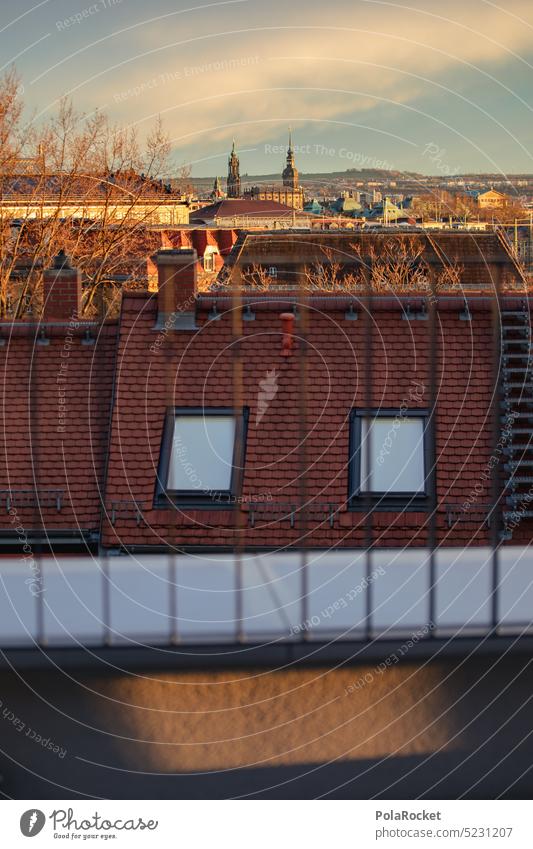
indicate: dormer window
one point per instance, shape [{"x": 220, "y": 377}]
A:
[
  {"x": 209, "y": 261},
  {"x": 202, "y": 456}
]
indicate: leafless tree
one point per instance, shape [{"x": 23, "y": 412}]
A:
[
  {"x": 182, "y": 182},
  {"x": 53, "y": 176},
  {"x": 393, "y": 263},
  {"x": 258, "y": 278}
]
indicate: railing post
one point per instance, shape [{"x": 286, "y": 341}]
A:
[
  {"x": 432, "y": 437},
  {"x": 368, "y": 451},
  {"x": 496, "y": 494}
]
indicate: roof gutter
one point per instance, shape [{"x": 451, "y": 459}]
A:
[{"x": 377, "y": 303}]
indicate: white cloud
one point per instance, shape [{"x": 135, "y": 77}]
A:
[{"x": 256, "y": 67}]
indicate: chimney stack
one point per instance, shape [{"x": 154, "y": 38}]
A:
[
  {"x": 287, "y": 325},
  {"x": 61, "y": 290},
  {"x": 176, "y": 297}
]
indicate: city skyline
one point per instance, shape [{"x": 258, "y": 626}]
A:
[{"x": 378, "y": 82}]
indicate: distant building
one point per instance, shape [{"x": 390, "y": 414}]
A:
[
  {"x": 314, "y": 206},
  {"x": 113, "y": 198},
  {"x": 346, "y": 205},
  {"x": 289, "y": 192},
  {"x": 250, "y": 212},
  {"x": 217, "y": 192},
  {"x": 389, "y": 212},
  {"x": 492, "y": 199},
  {"x": 290, "y": 172},
  {"x": 212, "y": 246},
  {"x": 280, "y": 194},
  {"x": 234, "y": 177}
]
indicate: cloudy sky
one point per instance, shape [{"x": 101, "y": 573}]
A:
[{"x": 420, "y": 85}]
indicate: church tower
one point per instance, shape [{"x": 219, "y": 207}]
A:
[
  {"x": 217, "y": 192},
  {"x": 234, "y": 178},
  {"x": 290, "y": 172}
]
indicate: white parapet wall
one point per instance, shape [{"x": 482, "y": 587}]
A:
[{"x": 316, "y": 595}]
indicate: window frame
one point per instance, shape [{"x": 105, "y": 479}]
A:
[
  {"x": 359, "y": 499},
  {"x": 209, "y": 264},
  {"x": 165, "y": 497}
]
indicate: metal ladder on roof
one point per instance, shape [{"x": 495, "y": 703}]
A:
[{"x": 517, "y": 418}]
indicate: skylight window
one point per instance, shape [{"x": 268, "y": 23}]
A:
[
  {"x": 202, "y": 455},
  {"x": 201, "y": 458},
  {"x": 389, "y": 456}
]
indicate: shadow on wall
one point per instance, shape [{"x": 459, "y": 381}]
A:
[{"x": 438, "y": 730}]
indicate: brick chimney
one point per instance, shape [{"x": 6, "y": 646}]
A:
[
  {"x": 61, "y": 290},
  {"x": 176, "y": 296}
]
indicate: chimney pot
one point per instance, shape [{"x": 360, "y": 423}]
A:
[
  {"x": 287, "y": 323},
  {"x": 62, "y": 260},
  {"x": 61, "y": 290}
]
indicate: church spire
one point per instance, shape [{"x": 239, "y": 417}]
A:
[
  {"x": 290, "y": 172},
  {"x": 234, "y": 177},
  {"x": 217, "y": 189}
]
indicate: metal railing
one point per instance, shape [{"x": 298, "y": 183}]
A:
[{"x": 155, "y": 600}]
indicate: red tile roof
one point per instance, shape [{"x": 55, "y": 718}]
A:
[
  {"x": 293, "y": 452},
  {"x": 198, "y": 369},
  {"x": 56, "y": 401},
  {"x": 231, "y": 208}
]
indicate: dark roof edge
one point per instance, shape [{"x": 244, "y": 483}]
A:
[
  {"x": 266, "y": 655},
  {"x": 142, "y": 294},
  {"x": 34, "y": 329},
  {"x": 476, "y": 302}
]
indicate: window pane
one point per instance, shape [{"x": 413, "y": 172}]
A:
[
  {"x": 396, "y": 454},
  {"x": 202, "y": 453}
]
